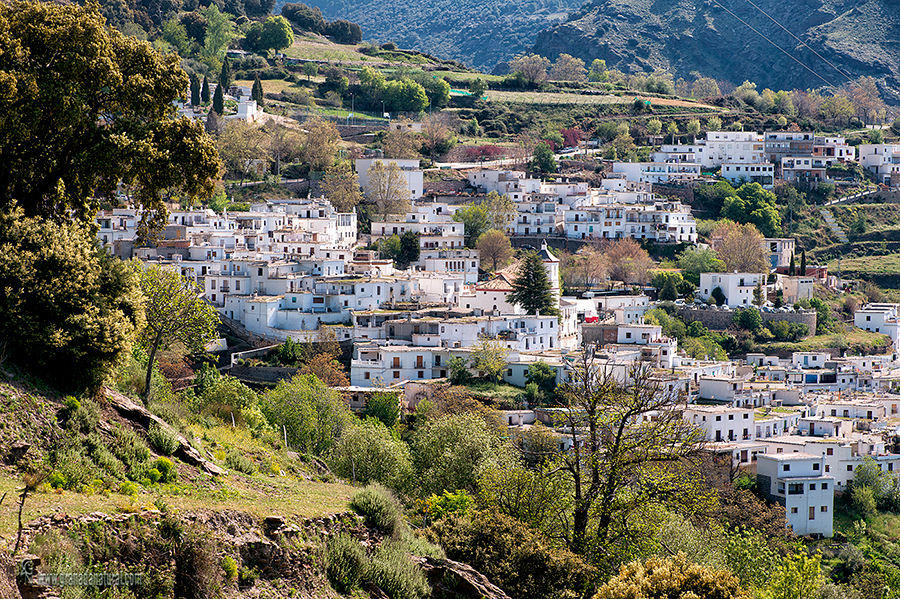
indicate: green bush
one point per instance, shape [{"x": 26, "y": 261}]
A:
[
  {"x": 166, "y": 469},
  {"x": 379, "y": 508},
  {"x": 154, "y": 475},
  {"x": 81, "y": 416},
  {"x": 57, "y": 480},
  {"x": 346, "y": 562},
  {"x": 132, "y": 451},
  {"x": 230, "y": 568},
  {"x": 163, "y": 439},
  {"x": 396, "y": 574},
  {"x": 513, "y": 556},
  {"x": 240, "y": 462},
  {"x": 128, "y": 488}
]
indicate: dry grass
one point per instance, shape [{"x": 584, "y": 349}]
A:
[{"x": 260, "y": 496}]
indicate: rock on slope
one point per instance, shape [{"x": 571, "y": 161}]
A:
[{"x": 683, "y": 36}]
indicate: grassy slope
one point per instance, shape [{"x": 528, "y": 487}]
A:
[{"x": 29, "y": 413}]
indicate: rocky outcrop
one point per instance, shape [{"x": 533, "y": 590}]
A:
[
  {"x": 455, "y": 579},
  {"x": 684, "y": 36},
  {"x": 141, "y": 415},
  {"x": 8, "y": 587}
]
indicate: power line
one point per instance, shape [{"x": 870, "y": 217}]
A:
[
  {"x": 785, "y": 52},
  {"x": 836, "y": 68}
]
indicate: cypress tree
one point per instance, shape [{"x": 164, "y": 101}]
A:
[
  {"x": 256, "y": 92},
  {"x": 792, "y": 269},
  {"x": 532, "y": 289},
  {"x": 803, "y": 263},
  {"x": 225, "y": 75},
  {"x": 219, "y": 100},
  {"x": 195, "y": 91},
  {"x": 204, "y": 91}
]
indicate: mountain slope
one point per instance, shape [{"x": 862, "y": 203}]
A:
[
  {"x": 480, "y": 33},
  {"x": 858, "y": 36}
]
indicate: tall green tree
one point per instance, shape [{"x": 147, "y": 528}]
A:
[
  {"x": 225, "y": 76},
  {"x": 792, "y": 269},
  {"x": 218, "y": 104},
  {"x": 803, "y": 263},
  {"x": 93, "y": 108},
  {"x": 174, "y": 311},
  {"x": 311, "y": 415},
  {"x": 256, "y": 92},
  {"x": 669, "y": 291},
  {"x": 276, "y": 34},
  {"x": 409, "y": 249},
  {"x": 476, "y": 219},
  {"x": 68, "y": 310},
  {"x": 204, "y": 91},
  {"x": 532, "y": 289},
  {"x": 195, "y": 90},
  {"x": 543, "y": 159}
]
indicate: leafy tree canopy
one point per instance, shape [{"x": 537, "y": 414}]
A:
[
  {"x": 67, "y": 309},
  {"x": 82, "y": 107}
]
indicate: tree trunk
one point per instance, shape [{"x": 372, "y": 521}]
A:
[{"x": 150, "y": 361}]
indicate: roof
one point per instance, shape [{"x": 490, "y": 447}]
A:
[{"x": 787, "y": 457}]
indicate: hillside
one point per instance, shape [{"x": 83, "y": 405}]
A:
[
  {"x": 480, "y": 33},
  {"x": 684, "y": 36}
]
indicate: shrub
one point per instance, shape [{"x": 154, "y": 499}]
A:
[
  {"x": 132, "y": 451},
  {"x": 518, "y": 559},
  {"x": 396, "y": 574},
  {"x": 57, "y": 480},
  {"x": 81, "y": 416},
  {"x": 154, "y": 475},
  {"x": 229, "y": 567},
  {"x": 240, "y": 462},
  {"x": 379, "y": 507},
  {"x": 163, "y": 439},
  {"x": 347, "y": 564},
  {"x": 440, "y": 506},
  {"x": 128, "y": 488},
  {"x": 197, "y": 570},
  {"x": 166, "y": 469}
]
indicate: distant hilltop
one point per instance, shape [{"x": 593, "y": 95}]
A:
[{"x": 824, "y": 41}]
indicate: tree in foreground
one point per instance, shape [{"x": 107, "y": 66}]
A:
[
  {"x": 311, "y": 415},
  {"x": 532, "y": 289},
  {"x": 494, "y": 246},
  {"x": 93, "y": 108},
  {"x": 341, "y": 187},
  {"x": 175, "y": 312},
  {"x": 667, "y": 578},
  {"x": 621, "y": 467},
  {"x": 367, "y": 452},
  {"x": 387, "y": 189},
  {"x": 67, "y": 309}
]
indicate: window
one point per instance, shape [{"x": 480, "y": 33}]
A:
[
  {"x": 366, "y": 375},
  {"x": 793, "y": 510},
  {"x": 829, "y": 451},
  {"x": 849, "y": 468},
  {"x": 812, "y": 512},
  {"x": 396, "y": 374},
  {"x": 786, "y": 468},
  {"x": 824, "y": 486},
  {"x": 824, "y": 508},
  {"x": 396, "y": 362},
  {"x": 816, "y": 466},
  {"x": 827, "y": 468},
  {"x": 812, "y": 486},
  {"x": 795, "y": 489},
  {"x": 718, "y": 419},
  {"x": 421, "y": 374},
  {"x": 731, "y": 416}
]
